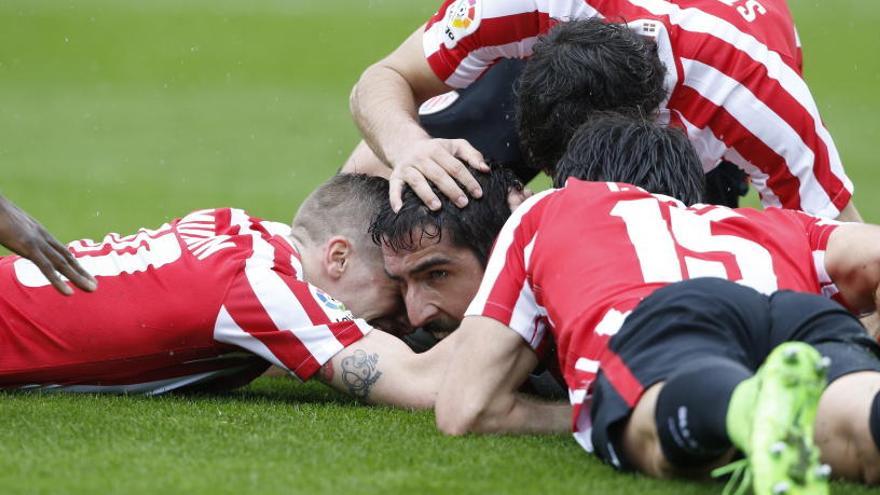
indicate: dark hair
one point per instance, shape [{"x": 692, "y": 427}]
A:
[
  {"x": 577, "y": 68},
  {"x": 473, "y": 227},
  {"x": 618, "y": 148}
]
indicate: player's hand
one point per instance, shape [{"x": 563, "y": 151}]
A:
[
  {"x": 26, "y": 237},
  {"x": 440, "y": 162}
]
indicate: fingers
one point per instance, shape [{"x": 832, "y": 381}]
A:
[
  {"x": 441, "y": 173},
  {"x": 422, "y": 188},
  {"x": 48, "y": 270},
  {"x": 473, "y": 157},
  {"x": 440, "y": 162},
  {"x": 395, "y": 193},
  {"x": 70, "y": 268}
]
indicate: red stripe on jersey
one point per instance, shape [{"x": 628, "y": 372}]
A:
[
  {"x": 283, "y": 253},
  {"x": 775, "y": 30},
  {"x": 624, "y": 382},
  {"x": 222, "y": 220},
  {"x": 818, "y": 229},
  {"x": 308, "y": 302},
  {"x": 704, "y": 114},
  {"x": 753, "y": 76},
  {"x": 492, "y": 32},
  {"x": 250, "y": 315}
]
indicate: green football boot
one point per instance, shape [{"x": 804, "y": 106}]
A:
[{"x": 770, "y": 419}]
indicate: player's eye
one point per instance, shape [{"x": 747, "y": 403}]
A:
[{"x": 438, "y": 274}]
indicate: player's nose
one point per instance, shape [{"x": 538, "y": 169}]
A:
[{"x": 419, "y": 310}]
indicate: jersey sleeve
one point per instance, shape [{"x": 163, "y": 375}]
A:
[
  {"x": 506, "y": 293},
  {"x": 818, "y": 231},
  {"x": 286, "y": 321},
  {"x": 465, "y": 37}
]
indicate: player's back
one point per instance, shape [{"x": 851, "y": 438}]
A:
[
  {"x": 600, "y": 248},
  {"x": 153, "y": 315}
]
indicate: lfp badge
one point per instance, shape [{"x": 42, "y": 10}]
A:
[
  {"x": 334, "y": 309},
  {"x": 465, "y": 14},
  {"x": 462, "y": 19}
]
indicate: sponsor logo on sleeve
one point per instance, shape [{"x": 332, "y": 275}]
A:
[
  {"x": 462, "y": 19},
  {"x": 335, "y": 310}
]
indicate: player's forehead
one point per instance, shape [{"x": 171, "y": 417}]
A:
[{"x": 429, "y": 254}]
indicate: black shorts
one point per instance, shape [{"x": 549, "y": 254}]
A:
[
  {"x": 713, "y": 317},
  {"x": 484, "y": 114}
]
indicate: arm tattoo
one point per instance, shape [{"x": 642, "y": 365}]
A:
[{"x": 359, "y": 373}]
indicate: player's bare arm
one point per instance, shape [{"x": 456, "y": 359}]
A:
[
  {"x": 381, "y": 369},
  {"x": 384, "y": 105},
  {"x": 849, "y": 213},
  {"x": 26, "y": 237},
  {"x": 478, "y": 393},
  {"x": 852, "y": 260}
]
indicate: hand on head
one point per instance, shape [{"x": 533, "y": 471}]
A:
[{"x": 440, "y": 162}]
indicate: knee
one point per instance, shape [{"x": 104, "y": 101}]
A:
[{"x": 843, "y": 430}]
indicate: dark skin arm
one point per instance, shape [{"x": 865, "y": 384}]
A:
[{"x": 25, "y": 236}]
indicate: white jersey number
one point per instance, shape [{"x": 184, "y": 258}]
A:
[
  {"x": 114, "y": 256},
  {"x": 657, "y": 245}
]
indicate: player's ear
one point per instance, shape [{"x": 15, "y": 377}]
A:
[{"x": 337, "y": 256}]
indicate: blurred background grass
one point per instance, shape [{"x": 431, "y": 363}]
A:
[{"x": 116, "y": 115}]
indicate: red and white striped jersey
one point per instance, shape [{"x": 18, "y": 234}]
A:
[
  {"x": 734, "y": 80},
  {"x": 576, "y": 261},
  {"x": 208, "y": 300}
]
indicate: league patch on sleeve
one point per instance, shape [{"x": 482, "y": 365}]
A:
[
  {"x": 462, "y": 19},
  {"x": 335, "y": 310}
]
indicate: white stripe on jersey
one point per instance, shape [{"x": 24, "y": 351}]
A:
[
  {"x": 708, "y": 147},
  {"x": 760, "y": 120},
  {"x": 479, "y": 60},
  {"x": 526, "y": 317},
  {"x": 227, "y": 331},
  {"x": 587, "y": 365},
  {"x": 499, "y": 252},
  {"x": 697, "y": 21},
  {"x": 279, "y": 301}
]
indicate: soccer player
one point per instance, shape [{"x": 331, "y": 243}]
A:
[
  {"x": 210, "y": 300},
  {"x": 728, "y": 72},
  {"x": 25, "y": 236},
  {"x": 658, "y": 345}
]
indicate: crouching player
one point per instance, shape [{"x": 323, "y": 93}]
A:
[{"x": 666, "y": 319}]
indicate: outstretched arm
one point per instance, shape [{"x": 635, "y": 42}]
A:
[
  {"x": 478, "y": 393},
  {"x": 381, "y": 369},
  {"x": 384, "y": 105}
]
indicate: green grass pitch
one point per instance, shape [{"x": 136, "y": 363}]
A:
[{"x": 120, "y": 114}]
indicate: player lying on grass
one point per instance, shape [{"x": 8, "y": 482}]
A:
[
  {"x": 659, "y": 366},
  {"x": 210, "y": 300}
]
